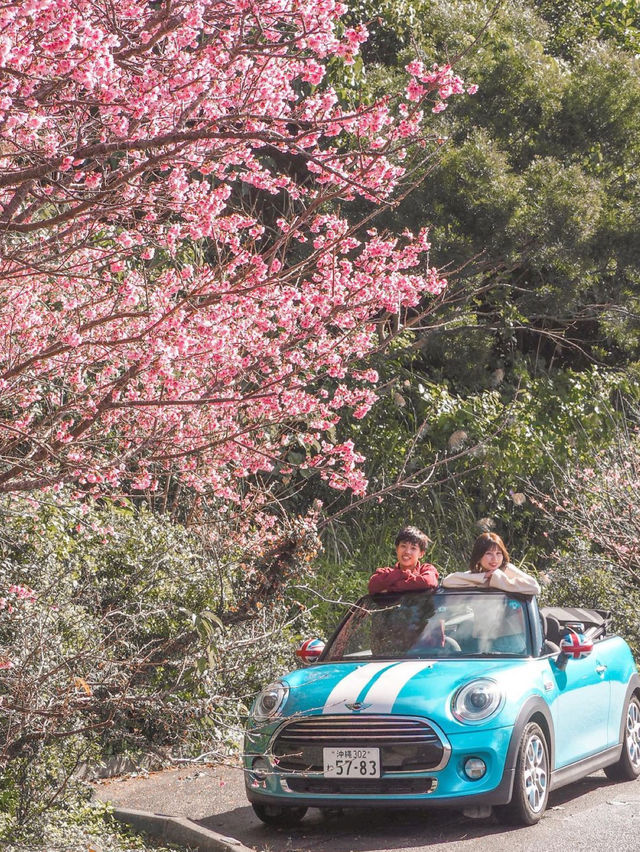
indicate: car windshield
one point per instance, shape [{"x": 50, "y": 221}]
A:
[{"x": 423, "y": 624}]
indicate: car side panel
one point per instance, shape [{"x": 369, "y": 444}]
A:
[
  {"x": 587, "y": 700},
  {"x": 624, "y": 679},
  {"x": 580, "y": 709}
]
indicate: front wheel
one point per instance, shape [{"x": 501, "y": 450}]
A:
[
  {"x": 627, "y": 767},
  {"x": 531, "y": 783},
  {"x": 276, "y": 815}
]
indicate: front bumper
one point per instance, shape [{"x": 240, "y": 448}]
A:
[{"x": 446, "y": 786}]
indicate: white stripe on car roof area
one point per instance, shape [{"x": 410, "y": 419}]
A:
[
  {"x": 350, "y": 687},
  {"x": 383, "y": 693}
]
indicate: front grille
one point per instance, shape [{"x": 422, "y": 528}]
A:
[
  {"x": 406, "y": 744},
  {"x": 362, "y": 787}
]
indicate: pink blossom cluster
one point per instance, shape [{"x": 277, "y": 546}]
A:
[
  {"x": 14, "y": 594},
  {"x": 439, "y": 80},
  {"x": 156, "y": 313}
]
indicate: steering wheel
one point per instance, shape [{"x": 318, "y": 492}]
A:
[{"x": 449, "y": 647}]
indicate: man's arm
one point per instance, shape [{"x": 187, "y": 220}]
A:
[{"x": 383, "y": 579}]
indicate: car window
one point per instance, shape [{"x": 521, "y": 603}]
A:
[{"x": 423, "y": 624}]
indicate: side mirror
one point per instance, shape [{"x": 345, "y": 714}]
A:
[
  {"x": 309, "y": 651},
  {"x": 574, "y": 646}
]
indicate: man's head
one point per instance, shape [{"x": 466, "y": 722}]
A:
[{"x": 411, "y": 545}]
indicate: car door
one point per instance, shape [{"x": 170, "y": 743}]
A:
[{"x": 580, "y": 709}]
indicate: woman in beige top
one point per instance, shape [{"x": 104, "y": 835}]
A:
[{"x": 489, "y": 568}]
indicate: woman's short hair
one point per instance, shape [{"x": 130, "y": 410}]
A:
[
  {"x": 486, "y": 541},
  {"x": 414, "y": 536}
]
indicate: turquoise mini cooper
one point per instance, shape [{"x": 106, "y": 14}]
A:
[{"x": 459, "y": 698}]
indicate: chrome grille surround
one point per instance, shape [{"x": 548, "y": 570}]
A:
[{"x": 389, "y": 733}]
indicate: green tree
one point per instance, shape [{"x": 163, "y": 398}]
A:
[
  {"x": 534, "y": 206},
  {"x": 535, "y": 203}
]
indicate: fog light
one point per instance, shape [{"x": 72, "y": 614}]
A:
[
  {"x": 474, "y": 768},
  {"x": 260, "y": 768}
]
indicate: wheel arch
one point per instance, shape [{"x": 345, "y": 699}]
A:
[
  {"x": 535, "y": 709},
  {"x": 546, "y": 725},
  {"x": 633, "y": 690}
]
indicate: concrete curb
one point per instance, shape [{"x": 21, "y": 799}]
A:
[{"x": 179, "y": 830}]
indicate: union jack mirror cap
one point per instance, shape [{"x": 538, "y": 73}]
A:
[
  {"x": 576, "y": 645},
  {"x": 310, "y": 650}
]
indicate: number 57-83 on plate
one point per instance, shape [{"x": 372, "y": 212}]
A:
[{"x": 351, "y": 762}]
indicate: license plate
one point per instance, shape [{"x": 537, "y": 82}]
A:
[{"x": 351, "y": 762}]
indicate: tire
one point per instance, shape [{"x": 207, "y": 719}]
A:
[
  {"x": 627, "y": 767},
  {"x": 280, "y": 816},
  {"x": 531, "y": 782}
]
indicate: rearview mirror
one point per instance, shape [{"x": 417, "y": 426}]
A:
[{"x": 573, "y": 646}]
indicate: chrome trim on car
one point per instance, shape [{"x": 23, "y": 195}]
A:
[
  {"x": 391, "y": 785},
  {"x": 370, "y": 730}
]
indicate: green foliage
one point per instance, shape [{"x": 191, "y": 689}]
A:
[
  {"x": 533, "y": 206},
  {"x": 579, "y": 575},
  {"x": 591, "y": 512},
  {"x": 535, "y": 198},
  {"x": 100, "y": 658},
  {"x": 120, "y": 631},
  {"x": 80, "y": 827},
  {"x": 575, "y": 21}
]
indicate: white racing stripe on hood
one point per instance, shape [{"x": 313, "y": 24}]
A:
[
  {"x": 350, "y": 687},
  {"x": 382, "y": 695}
]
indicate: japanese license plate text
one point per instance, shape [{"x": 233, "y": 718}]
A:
[{"x": 351, "y": 762}]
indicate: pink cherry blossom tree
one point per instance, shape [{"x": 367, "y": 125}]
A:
[{"x": 180, "y": 290}]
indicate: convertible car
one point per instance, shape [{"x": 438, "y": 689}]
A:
[{"x": 467, "y": 699}]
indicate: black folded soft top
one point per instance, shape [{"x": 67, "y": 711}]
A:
[{"x": 559, "y": 620}]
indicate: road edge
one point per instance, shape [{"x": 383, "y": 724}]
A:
[{"x": 179, "y": 830}]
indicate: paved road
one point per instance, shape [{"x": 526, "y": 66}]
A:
[{"x": 592, "y": 815}]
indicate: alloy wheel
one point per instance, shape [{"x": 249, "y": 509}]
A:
[
  {"x": 535, "y": 773},
  {"x": 633, "y": 733}
]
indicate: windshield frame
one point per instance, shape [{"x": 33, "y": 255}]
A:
[{"x": 438, "y": 599}]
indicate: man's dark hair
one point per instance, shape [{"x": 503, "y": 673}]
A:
[{"x": 414, "y": 536}]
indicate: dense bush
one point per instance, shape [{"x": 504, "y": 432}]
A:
[
  {"x": 82, "y": 827},
  {"x": 120, "y": 631},
  {"x": 592, "y": 516}
]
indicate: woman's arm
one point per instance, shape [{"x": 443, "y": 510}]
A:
[{"x": 512, "y": 579}]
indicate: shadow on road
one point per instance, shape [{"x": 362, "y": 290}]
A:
[
  {"x": 591, "y": 814},
  {"x": 363, "y": 830},
  {"x": 356, "y": 830}
]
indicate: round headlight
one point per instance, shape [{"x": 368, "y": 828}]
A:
[
  {"x": 269, "y": 701},
  {"x": 476, "y": 701}
]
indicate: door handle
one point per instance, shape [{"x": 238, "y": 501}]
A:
[{"x": 601, "y": 669}]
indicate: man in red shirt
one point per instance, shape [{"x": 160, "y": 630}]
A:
[{"x": 409, "y": 573}]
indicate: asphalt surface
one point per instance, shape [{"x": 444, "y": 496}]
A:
[{"x": 593, "y": 815}]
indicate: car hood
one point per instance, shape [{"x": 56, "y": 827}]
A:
[{"x": 408, "y": 687}]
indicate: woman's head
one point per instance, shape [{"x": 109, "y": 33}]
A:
[{"x": 485, "y": 544}]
